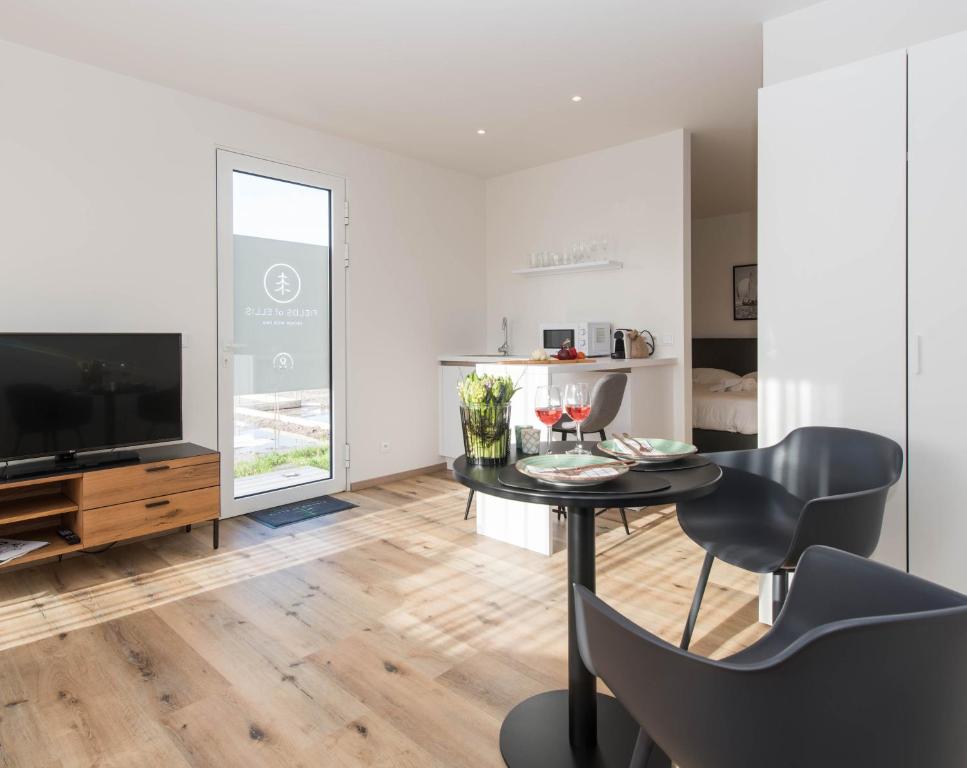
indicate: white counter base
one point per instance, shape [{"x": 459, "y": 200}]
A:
[{"x": 529, "y": 526}]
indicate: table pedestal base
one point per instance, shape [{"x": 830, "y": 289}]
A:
[{"x": 535, "y": 734}]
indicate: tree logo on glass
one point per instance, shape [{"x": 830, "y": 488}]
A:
[{"x": 282, "y": 283}]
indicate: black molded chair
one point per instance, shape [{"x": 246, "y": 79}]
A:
[
  {"x": 865, "y": 666},
  {"x": 820, "y": 485}
]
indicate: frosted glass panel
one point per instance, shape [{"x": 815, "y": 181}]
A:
[{"x": 282, "y": 367}]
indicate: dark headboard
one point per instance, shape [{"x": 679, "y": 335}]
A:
[{"x": 740, "y": 356}]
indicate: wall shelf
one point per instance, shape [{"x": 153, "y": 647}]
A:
[{"x": 561, "y": 269}]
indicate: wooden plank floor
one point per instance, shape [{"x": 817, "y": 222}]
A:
[{"x": 387, "y": 635}]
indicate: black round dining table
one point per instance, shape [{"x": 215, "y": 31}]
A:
[{"x": 580, "y": 727}]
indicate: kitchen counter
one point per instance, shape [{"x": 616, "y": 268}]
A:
[{"x": 586, "y": 365}]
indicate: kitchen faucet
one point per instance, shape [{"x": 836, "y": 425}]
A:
[{"x": 504, "y": 348}]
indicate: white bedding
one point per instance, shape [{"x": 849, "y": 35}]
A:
[{"x": 724, "y": 411}]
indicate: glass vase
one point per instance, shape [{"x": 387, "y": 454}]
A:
[{"x": 486, "y": 434}]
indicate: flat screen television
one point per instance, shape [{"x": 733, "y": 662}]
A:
[{"x": 63, "y": 393}]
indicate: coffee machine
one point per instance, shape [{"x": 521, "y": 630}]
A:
[
  {"x": 629, "y": 343},
  {"x": 622, "y": 344}
]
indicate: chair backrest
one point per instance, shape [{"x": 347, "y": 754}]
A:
[
  {"x": 812, "y": 462},
  {"x": 606, "y": 396},
  {"x": 884, "y": 686}
]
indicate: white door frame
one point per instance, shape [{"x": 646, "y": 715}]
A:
[{"x": 228, "y": 161}]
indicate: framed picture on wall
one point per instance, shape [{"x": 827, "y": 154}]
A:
[{"x": 745, "y": 292}]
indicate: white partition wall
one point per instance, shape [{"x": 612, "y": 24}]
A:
[
  {"x": 832, "y": 259},
  {"x": 938, "y": 311}
]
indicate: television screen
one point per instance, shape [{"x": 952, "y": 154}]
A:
[{"x": 62, "y": 392}]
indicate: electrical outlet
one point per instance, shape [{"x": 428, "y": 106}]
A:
[{"x": 384, "y": 446}]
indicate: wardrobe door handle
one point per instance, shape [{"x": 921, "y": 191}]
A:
[
  {"x": 161, "y": 503},
  {"x": 157, "y": 469}
]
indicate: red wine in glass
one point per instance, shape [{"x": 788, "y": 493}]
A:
[
  {"x": 577, "y": 403},
  {"x": 578, "y": 412},
  {"x": 548, "y": 407},
  {"x": 548, "y": 416}
]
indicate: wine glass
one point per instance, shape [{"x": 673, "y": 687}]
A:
[
  {"x": 577, "y": 404},
  {"x": 547, "y": 406}
]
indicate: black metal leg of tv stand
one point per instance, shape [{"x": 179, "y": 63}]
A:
[{"x": 214, "y": 532}]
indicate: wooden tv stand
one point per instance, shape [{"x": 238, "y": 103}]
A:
[{"x": 172, "y": 486}]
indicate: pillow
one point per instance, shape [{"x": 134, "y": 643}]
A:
[
  {"x": 711, "y": 375},
  {"x": 746, "y": 384},
  {"x": 726, "y": 386},
  {"x": 753, "y": 375}
]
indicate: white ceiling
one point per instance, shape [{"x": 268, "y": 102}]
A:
[{"x": 420, "y": 77}]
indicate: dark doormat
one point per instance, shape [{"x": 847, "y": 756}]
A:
[{"x": 287, "y": 514}]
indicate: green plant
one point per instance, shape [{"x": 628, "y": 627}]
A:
[
  {"x": 312, "y": 456},
  {"x": 477, "y": 391}
]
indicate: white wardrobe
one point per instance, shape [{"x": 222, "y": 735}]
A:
[
  {"x": 937, "y": 304},
  {"x": 862, "y": 289}
]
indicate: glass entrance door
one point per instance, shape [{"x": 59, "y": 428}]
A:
[{"x": 281, "y": 328}]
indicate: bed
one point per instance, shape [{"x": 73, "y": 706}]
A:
[{"x": 724, "y": 394}]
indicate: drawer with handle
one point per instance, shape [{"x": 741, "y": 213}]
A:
[
  {"x": 139, "y": 518},
  {"x": 145, "y": 481}
]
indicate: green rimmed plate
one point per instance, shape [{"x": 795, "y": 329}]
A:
[
  {"x": 664, "y": 450},
  {"x": 546, "y": 469}
]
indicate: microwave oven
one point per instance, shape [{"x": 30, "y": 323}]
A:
[{"x": 591, "y": 338}]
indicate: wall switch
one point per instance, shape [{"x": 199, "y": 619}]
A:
[
  {"x": 184, "y": 341},
  {"x": 667, "y": 339},
  {"x": 384, "y": 446}
]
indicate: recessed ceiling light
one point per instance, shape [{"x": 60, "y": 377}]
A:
[
  {"x": 575, "y": 98},
  {"x": 481, "y": 131}
]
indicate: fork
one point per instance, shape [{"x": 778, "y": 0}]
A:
[
  {"x": 639, "y": 445},
  {"x": 579, "y": 470}
]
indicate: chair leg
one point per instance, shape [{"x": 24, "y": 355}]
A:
[
  {"x": 624, "y": 519},
  {"x": 466, "y": 514},
  {"x": 697, "y": 600},
  {"x": 643, "y": 748},
  {"x": 780, "y": 588}
]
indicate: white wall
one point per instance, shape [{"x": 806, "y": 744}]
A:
[
  {"x": 107, "y": 222},
  {"x": 718, "y": 244},
  {"x": 637, "y": 195},
  {"x": 840, "y": 31}
]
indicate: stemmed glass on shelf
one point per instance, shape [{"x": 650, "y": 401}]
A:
[
  {"x": 548, "y": 407},
  {"x": 577, "y": 404}
]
